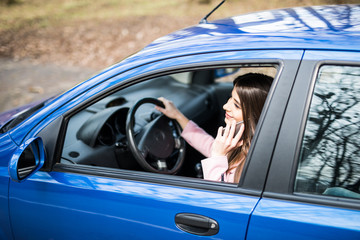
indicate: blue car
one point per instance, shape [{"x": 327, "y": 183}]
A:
[{"x": 100, "y": 162}]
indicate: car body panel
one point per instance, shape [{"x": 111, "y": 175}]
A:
[
  {"x": 276, "y": 219},
  {"x": 74, "y": 206},
  {"x": 5, "y": 227},
  {"x": 8, "y": 147}
]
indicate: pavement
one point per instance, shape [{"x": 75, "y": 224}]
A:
[{"x": 25, "y": 81}]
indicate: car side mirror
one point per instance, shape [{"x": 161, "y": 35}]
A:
[{"x": 27, "y": 159}]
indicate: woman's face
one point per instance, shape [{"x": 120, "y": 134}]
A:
[{"x": 233, "y": 108}]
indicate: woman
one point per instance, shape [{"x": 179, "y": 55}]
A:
[{"x": 226, "y": 153}]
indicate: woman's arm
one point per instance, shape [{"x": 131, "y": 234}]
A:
[
  {"x": 192, "y": 133},
  {"x": 198, "y": 138}
]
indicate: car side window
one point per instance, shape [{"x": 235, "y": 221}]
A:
[
  {"x": 123, "y": 130},
  {"x": 329, "y": 161}
]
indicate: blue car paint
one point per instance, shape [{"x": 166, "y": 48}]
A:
[
  {"x": 277, "y": 219},
  {"x": 61, "y": 201},
  {"x": 215, "y": 41},
  {"x": 6, "y": 151}
]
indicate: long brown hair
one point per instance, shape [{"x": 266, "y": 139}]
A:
[{"x": 252, "y": 89}]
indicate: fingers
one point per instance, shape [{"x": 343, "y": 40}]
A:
[
  {"x": 226, "y": 139},
  {"x": 166, "y": 104},
  {"x": 164, "y": 101},
  {"x": 229, "y": 135},
  {"x": 220, "y": 132},
  {"x": 240, "y": 143},
  {"x": 240, "y": 132},
  {"x": 170, "y": 109},
  {"x": 229, "y": 130},
  {"x": 160, "y": 109}
]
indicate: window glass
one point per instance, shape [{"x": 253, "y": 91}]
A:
[
  {"x": 330, "y": 155},
  {"x": 109, "y": 133},
  {"x": 229, "y": 74}
]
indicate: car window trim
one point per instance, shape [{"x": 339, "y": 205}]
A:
[
  {"x": 163, "y": 179},
  {"x": 322, "y": 200}
]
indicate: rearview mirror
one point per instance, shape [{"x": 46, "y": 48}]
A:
[{"x": 27, "y": 159}]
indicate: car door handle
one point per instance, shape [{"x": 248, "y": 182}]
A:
[{"x": 196, "y": 224}]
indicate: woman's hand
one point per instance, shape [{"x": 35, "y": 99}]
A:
[
  {"x": 225, "y": 140},
  {"x": 172, "y": 112},
  {"x": 170, "y": 109}
]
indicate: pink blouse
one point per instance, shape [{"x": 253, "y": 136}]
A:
[{"x": 214, "y": 168}]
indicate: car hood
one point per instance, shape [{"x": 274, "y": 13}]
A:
[{"x": 9, "y": 115}]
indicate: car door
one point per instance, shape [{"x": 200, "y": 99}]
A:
[
  {"x": 87, "y": 202},
  {"x": 312, "y": 191}
]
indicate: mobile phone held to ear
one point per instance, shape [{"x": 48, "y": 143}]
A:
[{"x": 237, "y": 128}]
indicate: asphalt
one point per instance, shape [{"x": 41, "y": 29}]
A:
[{"x": 25, "y": 81}]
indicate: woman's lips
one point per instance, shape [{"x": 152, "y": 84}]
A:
[{"x": 228, "y": 116}]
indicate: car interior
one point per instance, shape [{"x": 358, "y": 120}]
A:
[{"x": 123, "y": 130}]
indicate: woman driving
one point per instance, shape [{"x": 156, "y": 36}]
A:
[{"x": 226, "y": 153}]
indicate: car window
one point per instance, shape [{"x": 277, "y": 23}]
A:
[
  {"x": 330, "y": 155},
  {"x": 97, "y": 135}
]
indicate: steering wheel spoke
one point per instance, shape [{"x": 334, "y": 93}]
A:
[
  {"x": 144, "y": 153},
  {"x": 161, "y": 165},
  {"x": 178, "y": 144}
]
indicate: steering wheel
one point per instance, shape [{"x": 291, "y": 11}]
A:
[{"x": 157, "y": 146}]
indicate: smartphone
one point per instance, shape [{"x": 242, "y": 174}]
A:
[{"x": 237, "y": 128}]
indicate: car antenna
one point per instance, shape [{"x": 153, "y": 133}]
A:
[{"x": 204, "y": 20}]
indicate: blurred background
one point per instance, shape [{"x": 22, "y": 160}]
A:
[{"x": 48, "y": 46}]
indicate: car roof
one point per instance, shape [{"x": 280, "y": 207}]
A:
[{"x": 330, "y": 27}]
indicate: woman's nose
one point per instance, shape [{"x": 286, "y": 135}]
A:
[{"x": 226, "y": 106}]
